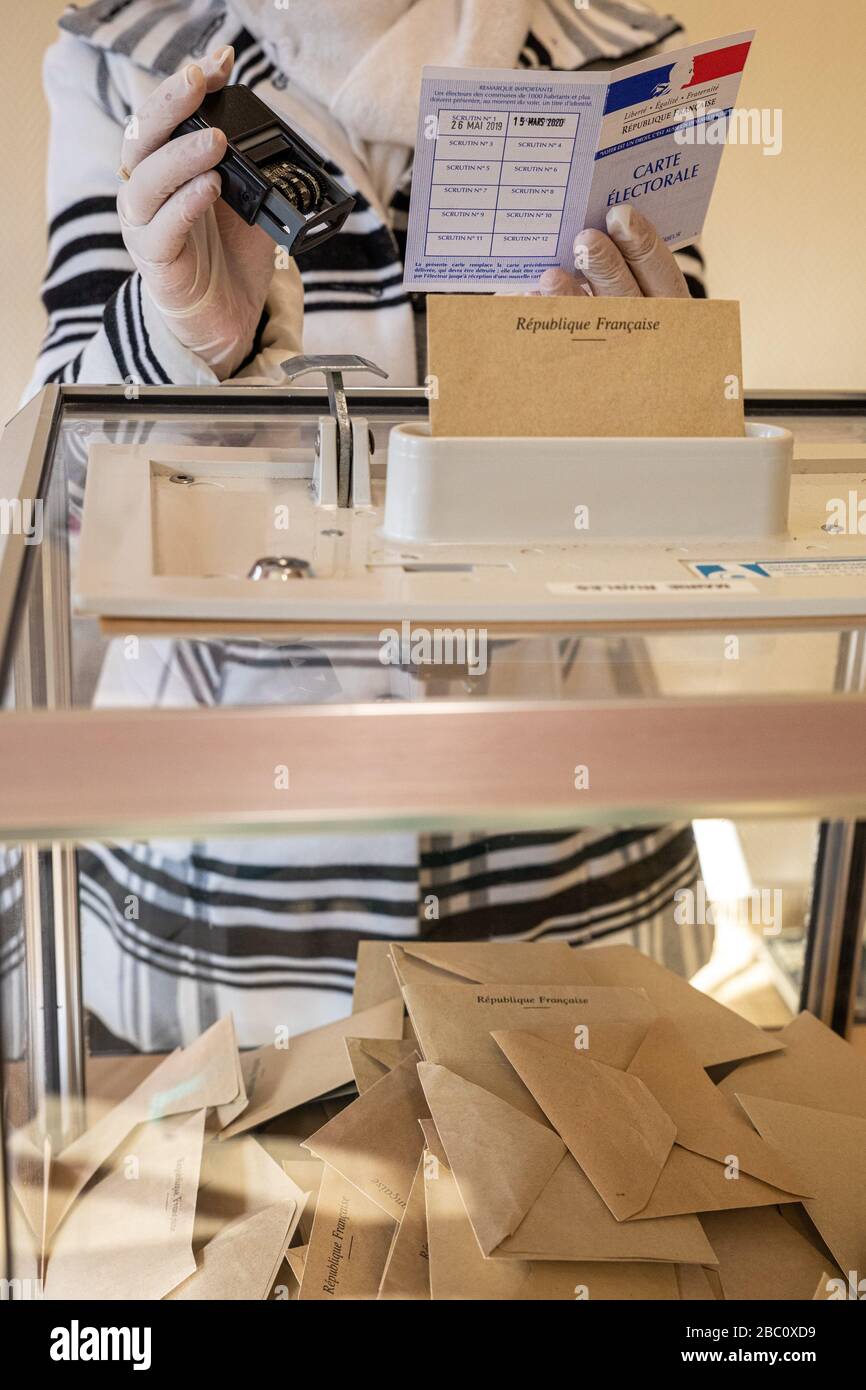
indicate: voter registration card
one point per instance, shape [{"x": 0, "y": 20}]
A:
[{"x": 511, "y": 165}]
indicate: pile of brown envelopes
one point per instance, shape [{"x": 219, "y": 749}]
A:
[{"x": 494, "y": 1121}]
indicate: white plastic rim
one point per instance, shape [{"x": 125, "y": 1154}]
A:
[{"x": 497, "y": 491}]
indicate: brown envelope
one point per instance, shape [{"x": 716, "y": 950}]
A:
[
  {"x": 817, "y": 1068},
  {"x": 761, "y": 1256},
  {"x": 224, "y": 1114},
  {"x": 375, "y": 980},
  {"x": 130, "y": 1237},
  {"x": 831, "y": 1150},
  {"x": 709, "y": 1125},
  {"x": 512, "y": 1178},
  {"x": 833, "y": 1288},
  {"x": 296, "y": 1258},
  {"x": 247, "y": 1212},
  {"x": 432, "y": 1142},
  {"x": 689, "y": 1182},
  {"x": 314, "y": 1063},
  {"x": 454, "y": 1023},
  {"x": 458, "y": 1270},
  {"x": 501, "y": 1158},
  {"x": 599, "y": 367},
  {"x": 489, "y": 962},
  {"x": 713, "y": 1033},
  {"x": 695, "y": 1285},
  {"x": 571, "y": 1222},
  {"x": 307, "y": 1175},
  {"x": 407, "y": 1271},
  {"x": 286, "y": 1286},
  {"x": 376, "y": 1141},
  {"x": 620, "y": 1127},
  {"x": 373, "y": 1058},
  {"x": 349, "y": 1244},
  {"x": 610, "y": 1120},
  {"x": 202, "y": 1075}
]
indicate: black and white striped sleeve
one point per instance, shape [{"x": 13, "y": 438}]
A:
[{"x": 102, "y": 327}]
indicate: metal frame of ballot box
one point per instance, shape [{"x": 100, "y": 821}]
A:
[{"x": 67, "y": 773}]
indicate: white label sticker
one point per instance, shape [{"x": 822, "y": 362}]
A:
[
  {"x": 630, "y": 587},
  {"x": 796, "y": 566}
]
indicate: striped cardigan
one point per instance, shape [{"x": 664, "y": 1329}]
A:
[{"x": 176, "y": 934}]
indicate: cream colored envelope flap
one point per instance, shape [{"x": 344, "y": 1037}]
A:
[
  {"x": 313, "y": 1064},
  {"x": 525, "y": 1195},
  {"x": 489, "y": 962}
]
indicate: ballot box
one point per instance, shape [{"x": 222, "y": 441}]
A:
[{"x": 286, "y": 686}]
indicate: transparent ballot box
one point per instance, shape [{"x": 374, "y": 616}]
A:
[{"x": 246, "y": 728}]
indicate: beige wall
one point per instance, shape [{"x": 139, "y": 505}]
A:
[
  {"x": 785, "y": 235},
  {"x": 29, "y": 26}
]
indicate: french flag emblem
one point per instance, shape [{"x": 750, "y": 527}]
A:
[{"x": 694, "y": 71}]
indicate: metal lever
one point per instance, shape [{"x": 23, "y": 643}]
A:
[{"x": 333, "y": 367}]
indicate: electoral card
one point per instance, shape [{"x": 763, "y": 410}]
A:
[{"x": 511, "y": 165}]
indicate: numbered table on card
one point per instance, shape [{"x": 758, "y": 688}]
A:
[{"x": 499, "y": 183}]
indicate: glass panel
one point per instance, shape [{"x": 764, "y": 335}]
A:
[
  {"x": 30, "y": 1089},
  {"x": 178, "y": 935},
  {"x": 175, "y": 935},
  {"x": 106, "y": 672}
]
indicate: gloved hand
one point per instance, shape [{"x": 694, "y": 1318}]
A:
[
  {"x": 631, "y": 261},
  {"x": 206, "y": 271}
]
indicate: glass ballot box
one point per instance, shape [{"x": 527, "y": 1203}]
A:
[{"x": 245, "y": 728}]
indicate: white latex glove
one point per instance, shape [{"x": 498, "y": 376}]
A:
[
  {"x": 631, "y": 261},
  {"x": 206, "y": 271}
]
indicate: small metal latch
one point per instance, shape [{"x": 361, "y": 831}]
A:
[
  {"x": 332, "y": 366},
  {"x": 280, "y": 567}
]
